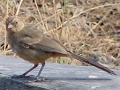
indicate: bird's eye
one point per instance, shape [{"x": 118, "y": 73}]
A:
[{"x": 16, "y": 22}]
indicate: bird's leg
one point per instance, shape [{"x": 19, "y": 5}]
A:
[
  {"x": 37, "y": 78},
  {"x": 23, "y": 75},
  {"x": 35, "y": 65}
]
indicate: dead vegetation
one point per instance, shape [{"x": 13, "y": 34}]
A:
[{"x": 87, "y": 27}]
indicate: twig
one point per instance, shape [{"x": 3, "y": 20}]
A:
[
  {"x": 18, "y": 9},
  {"x": 91, "y": 29},
  {"x": 48, "y": 18},
  {"x": 5, "y": 39},
  {"x": 40, "y": 16},
  {"x": 97, "y": 7}
]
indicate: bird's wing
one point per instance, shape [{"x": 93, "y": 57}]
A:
[{"x": 35, "y": 39}]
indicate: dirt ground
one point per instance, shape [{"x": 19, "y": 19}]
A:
[{"x": 87, "y": 27}]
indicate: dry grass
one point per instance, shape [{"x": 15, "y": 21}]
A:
[{"x": 87, "y": 27}]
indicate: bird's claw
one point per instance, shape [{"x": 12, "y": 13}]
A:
[{"x": 20, "y": 76}]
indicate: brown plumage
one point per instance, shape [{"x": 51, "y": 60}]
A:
[{"x": 32, "y": 45}]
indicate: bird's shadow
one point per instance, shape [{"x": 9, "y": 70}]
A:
[{"x": 72, "y": 78}]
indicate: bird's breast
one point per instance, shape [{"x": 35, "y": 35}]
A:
[{"x": 30, "y": 55}]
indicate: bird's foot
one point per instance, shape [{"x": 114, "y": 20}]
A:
[
  {"x": 20, "y": 76},
  {"x": 30, "y": 78}
]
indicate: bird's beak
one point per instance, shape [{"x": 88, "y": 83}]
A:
[{"x": 10, "y": 25}]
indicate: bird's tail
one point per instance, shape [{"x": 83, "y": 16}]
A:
[{"x": 91, "y": 62}]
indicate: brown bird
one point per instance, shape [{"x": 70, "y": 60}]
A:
[{"x": 34, "y": 46}]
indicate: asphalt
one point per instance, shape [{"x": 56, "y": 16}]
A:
[{"x": 57, "y": 77}]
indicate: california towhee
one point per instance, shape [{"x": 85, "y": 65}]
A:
[{"x": 34, "y": 46}]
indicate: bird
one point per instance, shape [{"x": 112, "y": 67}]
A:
[{"x": 32, "y": 45}]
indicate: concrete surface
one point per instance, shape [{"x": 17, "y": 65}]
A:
[{"x": 59, "y": 77}]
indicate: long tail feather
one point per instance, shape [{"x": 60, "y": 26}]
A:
[{"x": 91, "y": 62}]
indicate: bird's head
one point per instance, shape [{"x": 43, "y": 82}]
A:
[{"x": 13, "y": 24}]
